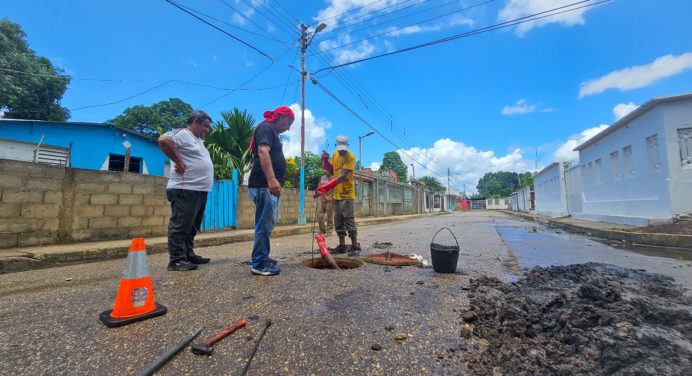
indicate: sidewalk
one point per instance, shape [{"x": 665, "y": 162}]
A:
[
  {"x": 610, "y": 231},
  {"x": 40, "y": 257}
]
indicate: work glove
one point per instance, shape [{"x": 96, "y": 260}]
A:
[
  {"x": 325, "y": 161},
  {"x": 322, "y": 189}
]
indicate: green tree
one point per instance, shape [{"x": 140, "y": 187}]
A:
[
  {"x": 156, "y": 119},
  {"x": 31, "y": 87},
  {"x": 313, "y": 170},
  {"x": 393, "y": 161},
  {"x": 432, "y": 184},
  {"x": 228, "y": 141},
  {"x": 502, "y": 183}
]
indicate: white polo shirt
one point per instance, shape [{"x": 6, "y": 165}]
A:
[{"x": 199, "y": 170}]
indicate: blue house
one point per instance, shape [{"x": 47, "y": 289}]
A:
[{"x": 82, "y": 145}]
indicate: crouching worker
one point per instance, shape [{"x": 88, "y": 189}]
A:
[{"x": 343, "y": 162}]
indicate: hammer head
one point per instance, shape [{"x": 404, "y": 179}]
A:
[{"x": 201, "y": 349}]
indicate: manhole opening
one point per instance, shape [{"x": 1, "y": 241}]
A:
[{"x": 344, "y": 263}]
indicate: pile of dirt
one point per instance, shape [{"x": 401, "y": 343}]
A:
[{"x": 588, "y": 319}]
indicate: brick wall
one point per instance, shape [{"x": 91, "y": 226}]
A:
[
  {"x": 42, "y": 204},
  {"x": 289, "y": 207}
]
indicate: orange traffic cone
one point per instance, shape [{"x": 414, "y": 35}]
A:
[{"x": 135, "y": 300}]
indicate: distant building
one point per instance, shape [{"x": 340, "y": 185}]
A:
[
  {"x": 636, "y": 172},
  {"x": 83, "y": 145},
  {"x": 498, "y": 203},
  {"x": 639, "y": 170}
]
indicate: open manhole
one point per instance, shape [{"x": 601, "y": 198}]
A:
[
  {"x": 389, "y": 258},
  {"x": 344, "y": 263}
]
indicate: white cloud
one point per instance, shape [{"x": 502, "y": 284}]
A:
[
  {"x": 392, "y": 31},
  {"x": 550, "y": 109},
  {"x": 622, "y": 109},
  {"x": 566, "y": 153},
  {"x": 638, "y": 75},
  {"x": 519, "y": 108},
  {"x": 465, "y": 163},
  {"x": 521, "y": 8},
  {"x": 375, "y": 166},
  {"x": 344, "y": 55},
  {"x": 240, "y": 20},
  {"x": 315, "y": 133}
]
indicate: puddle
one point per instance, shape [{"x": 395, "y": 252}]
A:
[{"x": 343, "y": 263}]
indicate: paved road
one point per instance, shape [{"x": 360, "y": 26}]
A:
[{"x": 325, "y": 322}]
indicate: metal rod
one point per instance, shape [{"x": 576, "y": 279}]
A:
[
  {"x": 247, "y": 366},
  {"x": 151, "y": 368}
]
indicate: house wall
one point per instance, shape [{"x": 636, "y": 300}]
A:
[
  {"x": 678, "y": 135},
  {"x": 549, "y": 188},
  {"x": 573, "y": 189},
  {"x": 630, "y": 183},
  {"x": 42, "y": 204},
  {"x": 91, "y": 143},
  {"x": 504, "y": 203}
]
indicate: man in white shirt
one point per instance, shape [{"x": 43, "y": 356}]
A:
[{"x": 189, "y": 181}]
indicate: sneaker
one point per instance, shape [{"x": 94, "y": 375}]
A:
[
  {"x": 265, "y": 270},
  {"x": 340, "y": 249},
  {"x": 198, "y": 260},
  {"x": 271, "y": 262},
  {"x": 181, "y": 266}
]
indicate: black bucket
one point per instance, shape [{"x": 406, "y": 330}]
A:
[{"x": 444, "y": 257}]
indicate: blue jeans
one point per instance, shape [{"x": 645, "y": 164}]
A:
[{"x": 266, "y": 216}]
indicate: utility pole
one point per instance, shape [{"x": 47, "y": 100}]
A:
[{"x": 304, "y": 43}]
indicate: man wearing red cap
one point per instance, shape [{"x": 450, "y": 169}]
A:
[{"x": 266, "y": 179}]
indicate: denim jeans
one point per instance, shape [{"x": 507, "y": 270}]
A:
[{"x": 266, "y": 216}]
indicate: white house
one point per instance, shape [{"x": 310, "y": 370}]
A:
[
  {"x": 638, "y": 171},
  {"x": 498, "y": 203},
  {"x": 550, "y": 191}
]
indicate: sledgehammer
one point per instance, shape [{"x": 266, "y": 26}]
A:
[{"x": 204, "y": 348}]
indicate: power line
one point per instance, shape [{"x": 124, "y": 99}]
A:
[
  {"x": 133, "y": 80},
  {"x": 270, "y": 20},
  {"x": 290, "y": 71},
  {"x": 486, "y": 29},
  {"x": 314, "y": 81},
  {"x": 246, "y": 82},
  {"x": 407, "y": 26},
  {"x": 286, "y": 11},
  {"x": 352, "y": 10},
  {"x": 230, "y": 24},
  {"x": 249, "y": 20},
  {"x": 121, "y": 100},
  {"x": 373, "y": 17},
  {"x": 218, "y": 28}
]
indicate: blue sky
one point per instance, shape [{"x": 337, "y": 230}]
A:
[{"x": 487, "y": 102}]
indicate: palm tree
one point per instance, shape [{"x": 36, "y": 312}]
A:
[{"x": 228, "y": 142}]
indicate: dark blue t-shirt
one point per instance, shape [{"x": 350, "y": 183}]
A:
[{"x": 266, "y": 134}]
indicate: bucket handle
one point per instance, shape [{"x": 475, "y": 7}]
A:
[{"x": 450, "y": 231}]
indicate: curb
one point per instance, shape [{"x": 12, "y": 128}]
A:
[
  {"x": 652, "y": 239},
  {"x": 20, "y": 261}
]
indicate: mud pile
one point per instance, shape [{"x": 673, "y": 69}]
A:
[{"x": 589, "y": 319}]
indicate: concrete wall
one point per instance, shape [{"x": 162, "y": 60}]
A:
[
  {"x": 42, "y": 204},
  {"x": 549, "y": 189},
  {"x": 619, "y": 183},
  {"x": 91, "y": 143},
  {"x": 289, "y": 207},
  {"x": 504, "y": 203},
  {"x": 677, "y": 118},
  {"x": 573, "y": 189}
]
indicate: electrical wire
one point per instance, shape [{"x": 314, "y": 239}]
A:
[
  {"x": 290, "y": 71},
  {"x": 407, "y": 26},
  {"x": 517, "y": 21},
  {"x": 121, "y": 100},
  {"x": 318, "y": 84},
  {"x": 286, "y": 11},
  {"x": 261, "y": 13},
  {"x": 349, "y": 11},
  {"x": 219, "y": 29},
  {"x": 247, "y": 81},
  {"x": 363, "y": 19}
]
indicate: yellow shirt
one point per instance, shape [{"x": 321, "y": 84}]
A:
[{"x": 344, "y": 190}]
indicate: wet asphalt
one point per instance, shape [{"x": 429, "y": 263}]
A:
[{"x": 324, "y": 322}]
